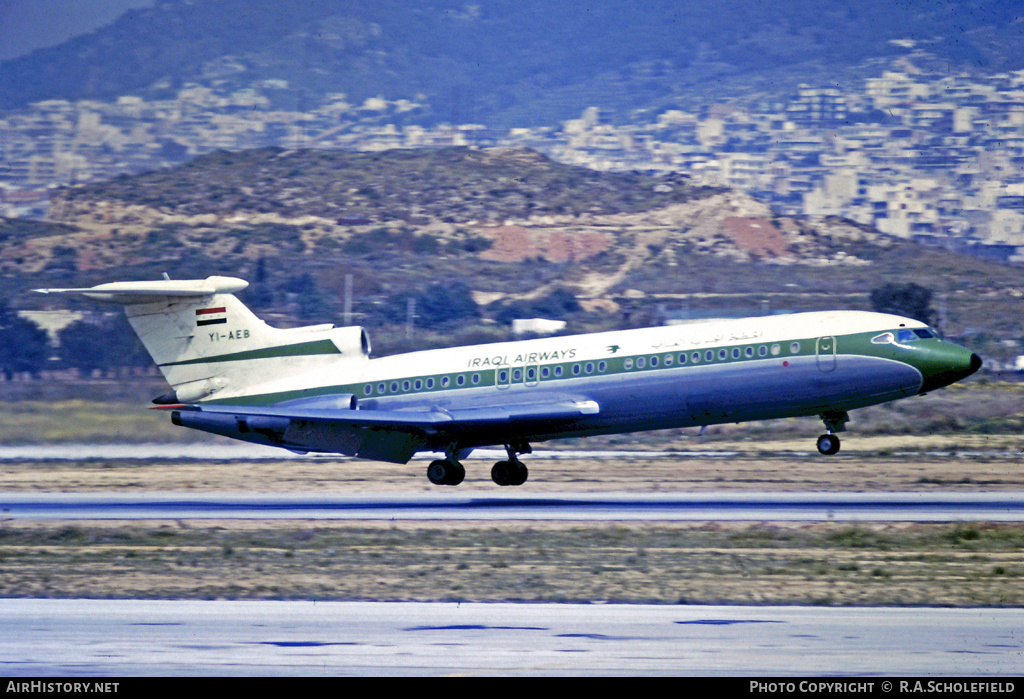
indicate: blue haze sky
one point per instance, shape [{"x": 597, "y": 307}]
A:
[{"x": 26, "y": 25}]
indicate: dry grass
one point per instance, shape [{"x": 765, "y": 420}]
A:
[{"x": 824, "y": 564}]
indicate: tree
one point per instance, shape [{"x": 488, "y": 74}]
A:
[
  {"x": 438, "y": 307},
  {"x": 911, "y": 300},
  {"x": 24, "y": 346},
  {"x": 106, "y": 345}
]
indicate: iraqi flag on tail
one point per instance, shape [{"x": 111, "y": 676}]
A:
[{"x": 211, "y": 316}]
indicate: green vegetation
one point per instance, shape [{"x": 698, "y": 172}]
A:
[{"x": 86, "y": 421}]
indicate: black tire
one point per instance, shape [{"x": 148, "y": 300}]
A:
[
  {"x": 501, "y": 473},
  {"x": 828, "y": 444},
  {"x": 519, "y": 473},
  {"x": 456, "y": 473},
  {"x": 444, "y": 472},
  {"x": 438, "y": 472}
]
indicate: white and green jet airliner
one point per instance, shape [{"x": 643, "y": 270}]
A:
[{"x": 316, "y": 389}]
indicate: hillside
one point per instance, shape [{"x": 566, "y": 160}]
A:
[
  {"x": 500, "y": 63},
  {"x": 509, "y": 226}
]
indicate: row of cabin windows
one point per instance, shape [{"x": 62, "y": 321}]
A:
[
  {"x": 696, "y": 357},
  {"x": 531, "y": 373}
]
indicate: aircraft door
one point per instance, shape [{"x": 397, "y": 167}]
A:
[
  {"x": 532, "y": 375},
  {"x": 506, "y": 376},
  {"x": 503, "y": 377},
  {"x": 826, "y": 350}
]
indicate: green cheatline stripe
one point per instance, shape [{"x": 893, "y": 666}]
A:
[{"x": 299, "y": 350}]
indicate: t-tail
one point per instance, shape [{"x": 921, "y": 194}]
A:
[{"x": 209, "y": 345}]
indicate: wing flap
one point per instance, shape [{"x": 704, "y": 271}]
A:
[
  {"x": 383, "y": 435},
  {"x": 427, "y": 419}
]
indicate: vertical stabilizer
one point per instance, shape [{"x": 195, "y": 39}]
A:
[{"x": 206, "y": 341}]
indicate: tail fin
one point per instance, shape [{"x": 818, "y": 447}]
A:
[{"x": 206, "y": 341}]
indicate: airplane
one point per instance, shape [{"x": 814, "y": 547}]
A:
[{"x": 317, "y": 389}]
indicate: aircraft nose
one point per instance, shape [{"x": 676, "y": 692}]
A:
[{"x": 948, "y": 365}]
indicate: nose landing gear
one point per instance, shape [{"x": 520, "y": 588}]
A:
[
  {"x": 828, "y": 444},
  {"x": 835, "y": 421}
]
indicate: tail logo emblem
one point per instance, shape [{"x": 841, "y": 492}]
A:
[{"x": 211, "y": 316}]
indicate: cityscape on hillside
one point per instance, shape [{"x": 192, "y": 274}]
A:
[{"x": 912, "y": 149}]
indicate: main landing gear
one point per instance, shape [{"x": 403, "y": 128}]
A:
[
  {"x": 828, "y": 443},
  {"x": 512, "y": 471},
  {"x": 448, "y": 471}
]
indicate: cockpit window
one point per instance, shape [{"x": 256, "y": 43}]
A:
[{"x": 903, "y": 336}]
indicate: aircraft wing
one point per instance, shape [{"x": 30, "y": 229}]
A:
[{"x": 386, "y": 435}]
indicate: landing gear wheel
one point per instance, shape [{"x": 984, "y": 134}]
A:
[
  {"x": 445, "y": 472},
  {"x": 509, "y": 473},
  {"x": 828, "y": 444}
]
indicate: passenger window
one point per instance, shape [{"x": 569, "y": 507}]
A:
[{"x": 794, "y": 348}]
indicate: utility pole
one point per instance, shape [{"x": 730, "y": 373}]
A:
[
  {"x": 410, "y": 314},
  {"x": 347, "y": 313}
]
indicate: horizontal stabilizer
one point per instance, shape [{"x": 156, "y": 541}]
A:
[{"x": 130, "y": 293}]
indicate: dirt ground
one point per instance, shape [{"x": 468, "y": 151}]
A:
[{"x": 865, "y": 464}]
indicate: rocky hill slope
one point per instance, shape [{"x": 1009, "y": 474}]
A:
[{"x": 509, "y": 225}]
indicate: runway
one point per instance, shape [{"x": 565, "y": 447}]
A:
[
  {"x": 798, "y": 507},
  {"x": 108, "y": 638},
  {"x": 68, "y": 637}
]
